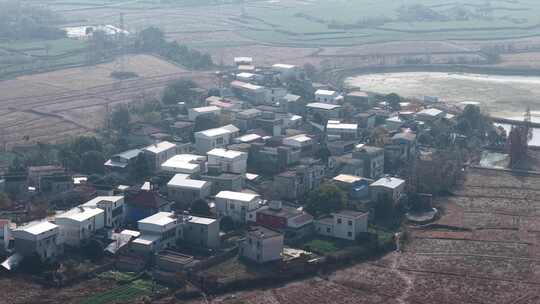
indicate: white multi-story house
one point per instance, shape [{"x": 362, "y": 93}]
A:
[
  {"x": 182, "y": 188},
  {"x": 5, "y": 235},
  {"x": 387, "y": 187},
  {"x": 215, "y": 138},
  {"x": 193, "y": 113},
  {"x": 345, "y": 131},
  {"x": 325, "y": 110},
  {"x": 113, "y": 206},
  {"x": 186, "y": 164},
  {"x": 79, "y": 224},
  {"x": 345, "y": 224},
  {"x": 286, "y": 70},
  {"x": 229, "y": 161},
  {"x": 373, "y": 158},
  {"x": 158, "y": 232},
  {"x": 160, "y": 152},
  {"x": 41, "y": 238},
  {"x": 327, "y": 96},
  {"x": 201, "y": 231},
  {"x": 301, "y": 141},
  {"x": 237, "y": 205},
  {"x": 262, "y": 245}
]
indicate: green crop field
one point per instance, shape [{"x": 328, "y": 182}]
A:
[
  {"x": 122, "y": 293},
  {"x": 322, "y": 22}
]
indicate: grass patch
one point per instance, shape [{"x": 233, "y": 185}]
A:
[
  {"x": 322, "y": 246},
  {"x": 125, "y": 292}
]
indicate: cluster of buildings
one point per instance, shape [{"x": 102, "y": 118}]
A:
[{"x": 256, "y": 170}]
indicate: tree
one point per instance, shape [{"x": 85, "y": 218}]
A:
[
  {"x": 150, "y": 39},
  {"x": 384, "y": 207},
  {"x": 393, "y": 101},
  {"x": 323, "y": 153},
  {"x": 120, "y": 118},
  {"x": 226, "y": 224},
  {"x": 141, "y": 168},
  {"x": 200, "y": 207},
  {"x": 205, "y": 122},
  {"x": 5, "y": 202},
  {"x": 84, "y": 144},
  {"x": 311, "y": 71},
  {"x": 327, "y": 199},
  {"x": 92, "y": 162},
  {"x": 178, "y": 91}
]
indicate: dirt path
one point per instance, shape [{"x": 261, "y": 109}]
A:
[{"x": 409, "y": 281}]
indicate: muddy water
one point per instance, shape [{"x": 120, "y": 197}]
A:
[{"x": 504, "y": 96}]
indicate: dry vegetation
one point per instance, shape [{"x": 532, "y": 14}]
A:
[
  {"x": 52, "y": 106},
  {"x": 492, "y": 255}
]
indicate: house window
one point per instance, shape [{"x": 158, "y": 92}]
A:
[
  {"x": 328, "y": 230},
  {"x": 350, "y": 223},
  {"x": 231, "y": 206},
  {"x": 339, "y": 221},
  {"x": 349, "y": 234},
  {"x": 219, "y": 141}
]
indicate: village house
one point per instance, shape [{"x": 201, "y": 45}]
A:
[
  {"x": 286, "y": 70},
  {"x": 183, "y": 130},
  {"x": 373, "y": 158},
  {"x": 37, "y": 173},
  {"x": 113, "y": 207},
  {"x": 248, "y": 138},
  {"x": 158, "y": 231},
  {"x": 302, "y": 142},
  {"x": 122, "y": 161},
  {"x": 296, "y": 182},
  {"x": 245, "y": 120},
  {"x": 269, "y": 123},
  {"x": 345, "y": 131},
  {"x": 356, "y": 186},
  {"x": 181, "y": 188},
  {"x": 359, "y": 99},
  {"x": 238, "y": 61},
  {"x": 324, "y": 110},
  {"x": 290, "y": 221},
  {"x": 430, "y": 115},
  {"x": 193, "y": 113},
  {"x": 292, "y": 103},
  {"x": 80, "y": 224},
  {"x": 250, "y": 92},
  {"x": 236, "y": 205},
  {"x": 56, "y": 183},
  {"x": 142, "y": 203},
  {"x": 272, "y": 159},
  {"x": 201, "y": 231},
  {"x": 160, "y": 152},
  {"x": 246, "y": 77},
  {"x": 328, "y": 96},
  {"x": 5, "y": 235},
  {"x": 366, "y": 120},
  {"x": 262, "y": 245},
  {"x": 224, "y": 181},
  {"x": 346, "y": 164},
  {"x": 346, "y": 224},
  {"x": 228, "y": 161},
  {"x": 401, "y": 149},
  {"x": 41, "y": 238},
  {"x": 387, "y": 188},
  {"x": 190, "y": 164},
  {"x": 215, "y": 138},
  {"x": 394, "y": 123}
]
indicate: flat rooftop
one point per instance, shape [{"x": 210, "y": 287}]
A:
[
  {"x": 159, "y": 219},
  {"x": 237, "y": 196}
]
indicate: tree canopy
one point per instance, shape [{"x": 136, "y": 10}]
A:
[
  {"x": 27, "y": 21},
  {"x": 327, "y": 199},
  {"x": 177, "y": 91},
  {"x": 200, "y": 207}
]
